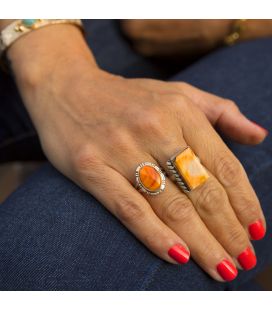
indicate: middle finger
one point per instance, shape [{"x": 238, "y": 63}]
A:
[
  {"x": 177, "y": 211},
  {"x": 213, "y": 206}
]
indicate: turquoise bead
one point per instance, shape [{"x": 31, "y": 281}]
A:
[{"x": 29, "y": 22}]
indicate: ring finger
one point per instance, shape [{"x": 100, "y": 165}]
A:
[
  {"x": 177, "y": 211},
  {"x": 211, "y": 203}
]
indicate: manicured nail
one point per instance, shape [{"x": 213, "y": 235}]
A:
[
  {"x": 266, "y": 131},
  {"x": 247, "y": 259},
  {"x": 227, "y": 270},
  {"x": 256, "y": 230},
  {"x": 179, "y": 254}
]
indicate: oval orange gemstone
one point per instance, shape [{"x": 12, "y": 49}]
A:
[{"x": 150, "y": 178}]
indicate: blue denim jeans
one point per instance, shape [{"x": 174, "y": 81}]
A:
[{"x": 55, "y": 236}]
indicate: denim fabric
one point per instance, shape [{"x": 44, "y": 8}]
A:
[{"x": 55, "y": 236}]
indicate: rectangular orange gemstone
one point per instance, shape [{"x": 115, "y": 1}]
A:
[{"x": 191, "y": 170}]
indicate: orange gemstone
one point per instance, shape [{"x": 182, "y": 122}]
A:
[
  {"x": 188, "y": 165},
  {"x": 150, "y": 178}
]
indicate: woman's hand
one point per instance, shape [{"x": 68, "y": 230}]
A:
[
  {"x": 187, "y": 37},
  {"x": 176, "y": 37},
  {"x": 96, "y": 128}
]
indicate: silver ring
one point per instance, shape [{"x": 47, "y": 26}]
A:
[{"x": 150, "y": 178}]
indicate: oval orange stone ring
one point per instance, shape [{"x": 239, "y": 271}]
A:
[{"x": 149, "y": 179}]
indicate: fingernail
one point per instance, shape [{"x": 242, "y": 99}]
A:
[
  {"x": 227, "y": 270},
  {"x": 179, "y": 254},
  {"x": 256, "y": 230},
  {"x": 247, "y": 259},
  {"x": 266, "y": 131}
]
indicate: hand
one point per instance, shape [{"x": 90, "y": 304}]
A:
[
  {"x": 96, "y": 128},
  {"x": 256, "y": 28},
  {"x": 187, "y": 38},
  {"x": 184, "y": 38}
]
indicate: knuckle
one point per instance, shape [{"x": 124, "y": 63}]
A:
[
  {"x": 129, "y": 211},
  {"x": 85, "y": 158},
  {"x": 181, "y": 86},
  {"x": 210, "y": 198},
  {"x": 237, "y": 237},
  {"x": 176, "y": 106},
  {"x": 179, "y": 102},
  {"x": 230, "y": 104},
  {"x": 151, "y": 124},
  {"x": 204, "y": 251},
  {"x": 182, "y": 108},
  {"x": 184, "y": 85},
  {"x": 229, "y": 170},
  {"x": 179, "y": 209},
  {"x": 120, "y": 141},
  {"x": 248, "y": 209}
]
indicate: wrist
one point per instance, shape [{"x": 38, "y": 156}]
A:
[{"x": 43, "y": 53}]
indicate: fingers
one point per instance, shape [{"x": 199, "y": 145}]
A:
[
  {"x": 212, "y": 204},
  {"x": 222, "y": 163},
  {"x": 177, "y": 211},
  {"x": 225, "y": 115},
  {"x": 131, "y": 208},
  {"x": 236, "y": 125}
]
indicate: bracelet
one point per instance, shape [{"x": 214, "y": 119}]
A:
[
  {"x": 238, "y": 28},
  {"x": 20, "y": 27}
]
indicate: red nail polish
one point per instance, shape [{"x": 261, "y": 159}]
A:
[
  {"x": 266, "y": 131},
  {"x": 256, "y": 230},
  {"x": 227, "y": 270},
  {"x": 247, "y": 259},
  {"x": 179, "y": 254}
]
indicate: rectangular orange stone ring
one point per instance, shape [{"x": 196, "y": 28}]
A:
[{"x": 188, "y": 172}]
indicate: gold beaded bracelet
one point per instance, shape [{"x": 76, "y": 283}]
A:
[{"x": 238, "y": 28}]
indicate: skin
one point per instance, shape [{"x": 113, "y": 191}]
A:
[
  {"x": 185, "y": 38},
  {"x": 188, "y": 37},
  {"x": 96, "y": 128}
]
